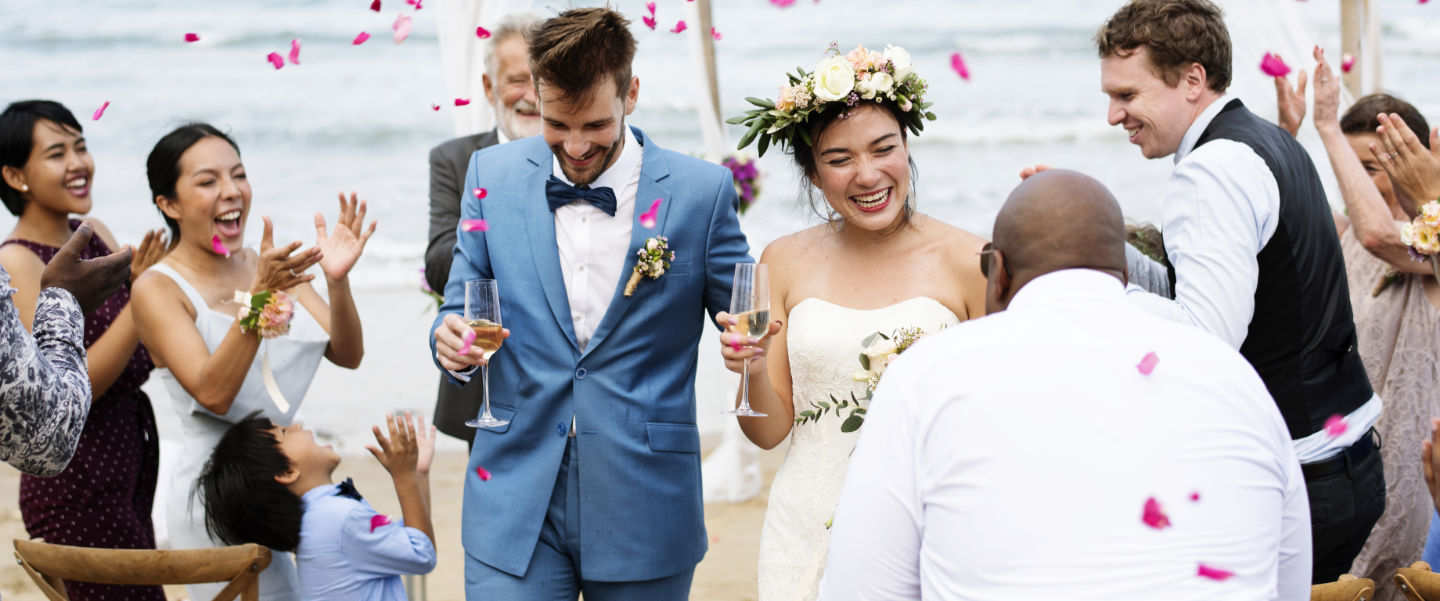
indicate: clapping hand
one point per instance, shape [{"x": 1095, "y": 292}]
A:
[
  {"x": 1291, "y": 101},
  {"x": 426, "y": 442},
  {"x": 1327, "y": 94},
  {"x": 281, "y": 268},
  {"x": 343, "y": 246},
  {"x": 152, "y": 248},
  {"x": 736, "y": 347},
  {"x": 1413, "y": 169},
  {"x": 90, "y": 281},
  {"x": 400, "y": 452}
]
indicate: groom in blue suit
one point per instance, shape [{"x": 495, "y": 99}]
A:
[{"x": 594, "y": 485}]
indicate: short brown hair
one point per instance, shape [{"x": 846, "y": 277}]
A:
[
  {"x": 1360, "y": 119},
  {"x": 575, "y": 49},
  {"x": 1175, "y": 33}
]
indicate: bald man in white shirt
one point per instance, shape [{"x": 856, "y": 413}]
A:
[{"x": 1017, "y": 456}]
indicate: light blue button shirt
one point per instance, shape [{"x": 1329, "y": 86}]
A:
[{"x": 346, "y": 553}]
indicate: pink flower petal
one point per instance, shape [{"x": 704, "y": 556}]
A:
[
  {"x": 483, "y": 473},
  {"x": 360, "y": 39},
  {"x": 295, "y": 51},
  {"x": 375, "y": 6},
  {"x": 377, "y": 521},
  {"x": 735, "y": 344},
  {"x": 1273, "y": 66},
  {"x": 957, "y": 63},
  {"x": 1213, "y": 573},
  {"x": 650, "y": 6},
  {"x": 275, "y": 59},
  {"x": 218, "y": 246},
  {"x": 1335, "y": 426},
  {"x": 782, "y": 3},
  {"x": 474, "y": 225},
  {"x": 402, "y": 28},
  {"x": 1147, "y": 363},
  {"x": 649, "y": 22},
  {"x": 679, "y": 26},
  {"x": 1195, "y": 497},
  {"x": 100, "y": 112},
  {"x": 462, "y": 101},
  {"x": 435, "y": 107},
  {"x": 1347, "y": 62},
  {"x": 467, "y": 340},
  {"x": 1154, "y": 515},
  {"x": 714, "y": 34},
  {"x": 647, "y": 219},
  {"x": 192, "y": 37},
  {"x": 482, "y": 33},
  {"x": 480, "y": 193}
]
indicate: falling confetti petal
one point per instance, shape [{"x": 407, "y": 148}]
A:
[
  {"x": 1347, "y": 62},
  {"x": 275, "y": 59},
  {"x": 649, "y": 22},
  {"x": 1273, "y": 66},
  {"x": 474, "y": 225},
  {"x": 218, "y": 246},
  {"x": 483, "y": 473},
  {"x": 648, "y": 218},
  {"x": 782, "y": 3},
  {"x": 375, "y": 6},
  {"x": 714, "y": 34},
  {"x": 415, "y": 3},
  {"x": 360, "y": 39},
  {"x": 435, "y": 107},
  {"x": 479, "y": 193},
  {"x": 467, "y": 340},
  {"x": 402, "y": 28},
  {"x": 1335, "y": 426},
  {"x": 679, "y": 26},
  {"x": 1154, "y": 515},
  {"x": 650, "y": 6},
  {"x": 100, "y": 112},
  {"x": 482, "y": 33},
  {"x": 735, "y": 344},
  {"x": 1213, "y": 573},
  {"x": 377, "y": 521},
  {"x": 957, "y": 63},
  {"x": 1195, "y": 497},
  {"x": 295, "y": 51},
  {"x": 462, "y": 101},
  {"x": 192, "y": 37},
  {"x": 1147, "y": 364}
]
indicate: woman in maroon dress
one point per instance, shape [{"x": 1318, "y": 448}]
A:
[{"x": 103, "y": 498}]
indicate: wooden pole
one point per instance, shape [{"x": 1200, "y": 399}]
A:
[
  {"x": 1352, "y": 31},
  {"x": 712, "y": 77}
]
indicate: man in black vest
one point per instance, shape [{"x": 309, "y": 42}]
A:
[
  {"x": 1256, "y": 259},
  {"x": 510, "y": 91}
]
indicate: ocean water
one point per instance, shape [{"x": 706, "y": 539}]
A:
[{"x": 359, "y": 117}]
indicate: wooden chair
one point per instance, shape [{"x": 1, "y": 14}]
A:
[
  {"x": 240, "y": 566},
  {"x": 1347, "y": 588},
  {"x": 1418, "y": 583}
]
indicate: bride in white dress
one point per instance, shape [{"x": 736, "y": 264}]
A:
[{"x": 876, "y": 265}]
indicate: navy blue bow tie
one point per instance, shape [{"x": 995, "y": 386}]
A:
[
  {"x": 559, "y": 194},
  {"x": 347, "y": 489}
]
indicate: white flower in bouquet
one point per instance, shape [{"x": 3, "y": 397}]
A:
[{"x": 879, "y": 353}]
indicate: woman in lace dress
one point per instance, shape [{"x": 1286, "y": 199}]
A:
[
  {"x": 875, "y": 265},
  {"x": 1396, "y": 319}
]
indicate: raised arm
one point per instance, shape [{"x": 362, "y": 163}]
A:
[{"x": 340, "y": 249}]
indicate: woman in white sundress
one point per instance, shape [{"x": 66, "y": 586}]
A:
[
  {"x": 216, "y": 372},
  {"x": 875, "y": 265}
]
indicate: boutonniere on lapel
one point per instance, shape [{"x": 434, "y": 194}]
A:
[{"x": 654, "y": 259}]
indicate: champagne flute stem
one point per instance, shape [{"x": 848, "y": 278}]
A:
[
  {"x": 485, "y": 389},
  {"x": 745, "y": 386}
]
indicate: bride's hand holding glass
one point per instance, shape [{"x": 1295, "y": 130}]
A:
[
  {"x": 736, "y": 345},
  {"x": 342, "y": 247}
]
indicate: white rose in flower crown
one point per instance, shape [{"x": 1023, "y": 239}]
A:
[
  {"x": 834, "y": 79},
  {"x": 901, "y": 61},
  {"x": 865, "y": 88},
  {"x": 882, "y": 83}
]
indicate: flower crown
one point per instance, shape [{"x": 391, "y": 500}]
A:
[{"x": 839, "y": 79}]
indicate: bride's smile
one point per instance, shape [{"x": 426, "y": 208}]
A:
[{"x": 863, "y": 168}]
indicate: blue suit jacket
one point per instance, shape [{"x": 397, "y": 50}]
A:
[{"x": 632, "y": 390}]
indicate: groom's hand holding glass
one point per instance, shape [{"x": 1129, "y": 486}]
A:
[{"x": 450, "y": 342}]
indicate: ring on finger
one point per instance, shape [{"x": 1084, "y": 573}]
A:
[{"x": 292, "y": 272}]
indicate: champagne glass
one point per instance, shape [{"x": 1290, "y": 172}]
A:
[
  {"x": 482, "y": 314},
  {"x": 750, "y": 304}
]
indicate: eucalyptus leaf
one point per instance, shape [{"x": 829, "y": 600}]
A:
[
  {"x": 865, "y": 361},
  {"x": 760, "y": 102},
  {"x": 852, "y": 423}
]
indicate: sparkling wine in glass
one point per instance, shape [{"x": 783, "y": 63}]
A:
[
  {"x": 750, "y": 304},
  {"x": 482, "y": 314}
]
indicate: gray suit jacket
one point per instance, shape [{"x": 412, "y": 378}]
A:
[{"x": 448, "y": 162}]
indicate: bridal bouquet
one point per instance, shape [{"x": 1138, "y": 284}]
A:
[
  {"x": 1422, "y": 235},
  {"x": 880, "y": 351}
]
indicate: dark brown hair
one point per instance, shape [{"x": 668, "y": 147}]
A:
[
  {"x": 17, "y": 128},
  {"x": 1175, "y": 33},
  {"x": 1360, "y": 119},
  {"x": 162, "y": 167},
  {"x": 575, "y": 49}
]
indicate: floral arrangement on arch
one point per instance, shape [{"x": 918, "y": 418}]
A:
[
  {"x": 839, "y": 80},
  {"x": 746, "y": 174}
]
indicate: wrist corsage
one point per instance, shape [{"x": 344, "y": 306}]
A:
[
  {"x": 655, "y": 258},
  {"x": 1422, "y": 236},
  {"x": 268, "y": 314}
]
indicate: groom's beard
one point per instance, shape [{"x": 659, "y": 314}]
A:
[{"x": 589, "y": 174}]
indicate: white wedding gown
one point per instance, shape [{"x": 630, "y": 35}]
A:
[{"x": 824, "y": 348}]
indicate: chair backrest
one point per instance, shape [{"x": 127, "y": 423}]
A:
[
  {"x": 1418, "y": 583},
  {"x": 240, "y": 566},
  {"x": 1347, "y": 588}
]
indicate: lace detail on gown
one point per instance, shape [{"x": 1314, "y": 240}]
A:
[
  {"x": 1397, "y": 331},
  {"x": 824, "y": 343}
]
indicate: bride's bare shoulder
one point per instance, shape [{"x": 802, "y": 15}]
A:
[{"x": 793, "y": 247}]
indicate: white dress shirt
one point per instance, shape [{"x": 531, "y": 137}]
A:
[
  {"x": 1221, "y": 208},
  {"x": 1011, "y": 457}
]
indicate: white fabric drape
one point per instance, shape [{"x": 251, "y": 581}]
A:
[{"x": 463, "y": 53}]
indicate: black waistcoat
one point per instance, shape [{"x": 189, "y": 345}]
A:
[{"x": 1302, "y": 337}]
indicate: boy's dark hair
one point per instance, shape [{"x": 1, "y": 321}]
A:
[
  {"x": 1175, "y": 33},
  {"x": 575, "y": 49},
  {"x": 17, "y": 139},
  {"x": 1360, "y": 119},
  {"x": 162, "y": 167},
  {"x": 243, "y": 501}
]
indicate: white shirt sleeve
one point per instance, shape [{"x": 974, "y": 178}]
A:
[
  {"x": 1293, "y": 581},
  {"x": 876, "y": 534},
  {"x": 1221, "y": 207}
]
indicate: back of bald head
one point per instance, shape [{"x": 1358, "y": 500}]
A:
[{"x": 1060, "y": 219}]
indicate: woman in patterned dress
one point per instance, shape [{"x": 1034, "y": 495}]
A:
[{"x": 103, "y": 498}]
